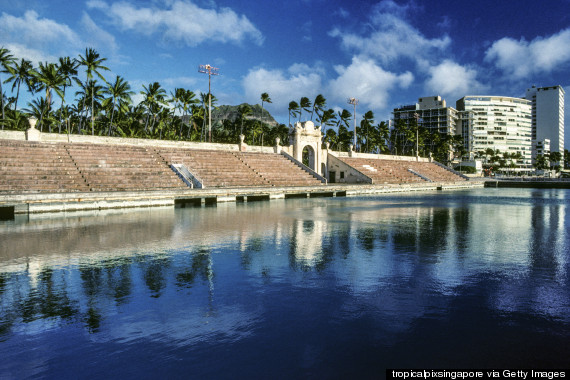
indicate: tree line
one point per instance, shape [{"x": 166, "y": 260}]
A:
[{"x": 104, "y": 106}]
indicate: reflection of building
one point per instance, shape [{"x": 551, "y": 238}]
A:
[
  {"x": 307, "y": 240},
  {"x": 433, "y": 114},
  {"x": 547, "y": 116},
  {"x": 497, "y": 122}
]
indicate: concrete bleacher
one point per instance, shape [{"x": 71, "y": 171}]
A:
[
  {"x": 213, "y": 168},
  {"x": 122, "y": 168},
  {"x": 29, "y": 167},
  {"x": 238, "y": 169},
  {"x": 435, "y": 172},
  {"x": 278, "y": 170},
  {"x": 397, "y": 172},
  {"x": 383, "y": 171}
]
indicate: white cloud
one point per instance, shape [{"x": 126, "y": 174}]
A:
[
  {"x": 453, "y": 80},
  {"x": 97, "y": 36},
  {"x": 184, "y": 82},
  {"x": 522, "y": 58},
  {"x": 36, "y": 56},
  {"x": 37, "y": 33},
  {"x": 182, "y": 21},
  {"x": 281, "y": 86},
  {"x": 393, "y": 37},
  {"x": 368, "y": 82}
]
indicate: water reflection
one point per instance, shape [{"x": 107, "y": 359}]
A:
[{"x": 190, "y": 276}]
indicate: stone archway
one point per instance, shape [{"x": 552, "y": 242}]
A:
[
  {"x": 308, "y": 155},
  {"x": 305, "y": 139}
]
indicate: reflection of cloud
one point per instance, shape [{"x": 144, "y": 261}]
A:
[
  {"x": 189, "y": 325},
  {"x": 372, "y": 247}
]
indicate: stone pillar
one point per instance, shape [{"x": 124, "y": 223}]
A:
[
  {"x": 242, "y": 145},
  {"x": 277, "y": 148},
  {"x": 32, "y": 134},
  {"x": 350, "y": 151},
  {"x": 430, "y": 157}
]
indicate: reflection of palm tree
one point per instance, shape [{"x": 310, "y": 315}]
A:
[
  {"x": 154, "y": 275},
  {"x": 200, "y": 266}
]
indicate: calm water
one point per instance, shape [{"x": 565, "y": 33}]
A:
[{"x": 320, "y": 288}]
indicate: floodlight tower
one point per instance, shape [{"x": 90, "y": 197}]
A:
[
  {"x": 354, "y": 102},
  {"x": 210, "y": 70}
]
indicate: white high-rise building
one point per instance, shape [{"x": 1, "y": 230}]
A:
[
  {"x": 497, "y": 122},
  {"x": 547, "y": 116}
]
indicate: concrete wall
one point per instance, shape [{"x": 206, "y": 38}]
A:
[
  {"x": 349, "y": 174},
  {"x": 382, "y": 156},
  {"x": 63, "y": 138}
]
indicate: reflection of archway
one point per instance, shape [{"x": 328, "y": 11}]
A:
[{"x": 309, "y": 157}]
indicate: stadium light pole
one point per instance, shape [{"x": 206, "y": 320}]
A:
[
  {"x": 354, "y": 102},
  {"x": 210, "y": 70}
]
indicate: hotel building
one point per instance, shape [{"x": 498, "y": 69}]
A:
[
  {"x": 433, "y": 114},
  {"x": 547, "y": 117},
  {"x": 497, "y": 122}
]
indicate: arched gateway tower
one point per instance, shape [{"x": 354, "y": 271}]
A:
[{"x": 305, "y": 141}]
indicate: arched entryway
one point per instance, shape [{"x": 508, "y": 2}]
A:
[{"x": 309, "y": 157}]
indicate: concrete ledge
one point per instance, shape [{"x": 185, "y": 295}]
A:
[{"x": 65, "y": 202}]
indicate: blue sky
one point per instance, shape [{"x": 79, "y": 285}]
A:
[{"x": 385, "y": 53}]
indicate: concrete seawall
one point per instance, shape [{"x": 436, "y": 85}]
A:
[
  {"x": 66, "y": 202},
  {"x": 530, "y": 184}
]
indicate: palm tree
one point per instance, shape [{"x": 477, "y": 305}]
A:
[
  {"x": 318, "y": 105},
  {"x": 188, "y": 99},
  {"x": 328, "y": 118},
  {"x": 40, "y": 109},
  {"x": 264, "y": 99},
  {"x": 384, "y": 133},
  {"x": 6, "y": 60},
  {"x": 154, "y": 96},
  {"x": 206, "y": 100},
  {"x": 21, "y": 73},
  {"x": 91, "y": 90},
  {"x": 120, "y": 92},
  {"x": 49, "y": 78},
  {"x": 555, "y": 158},
  {"x": 93, "y": 64},
  {"x": 365, "y": 124},
  {"x": 244, "y": 110},
  {"x": 293, "y": 109},
  {"x": 305, "y": 104},
  {"x": 343, "y": 118},
  {"x": 68, "y": 69}
]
